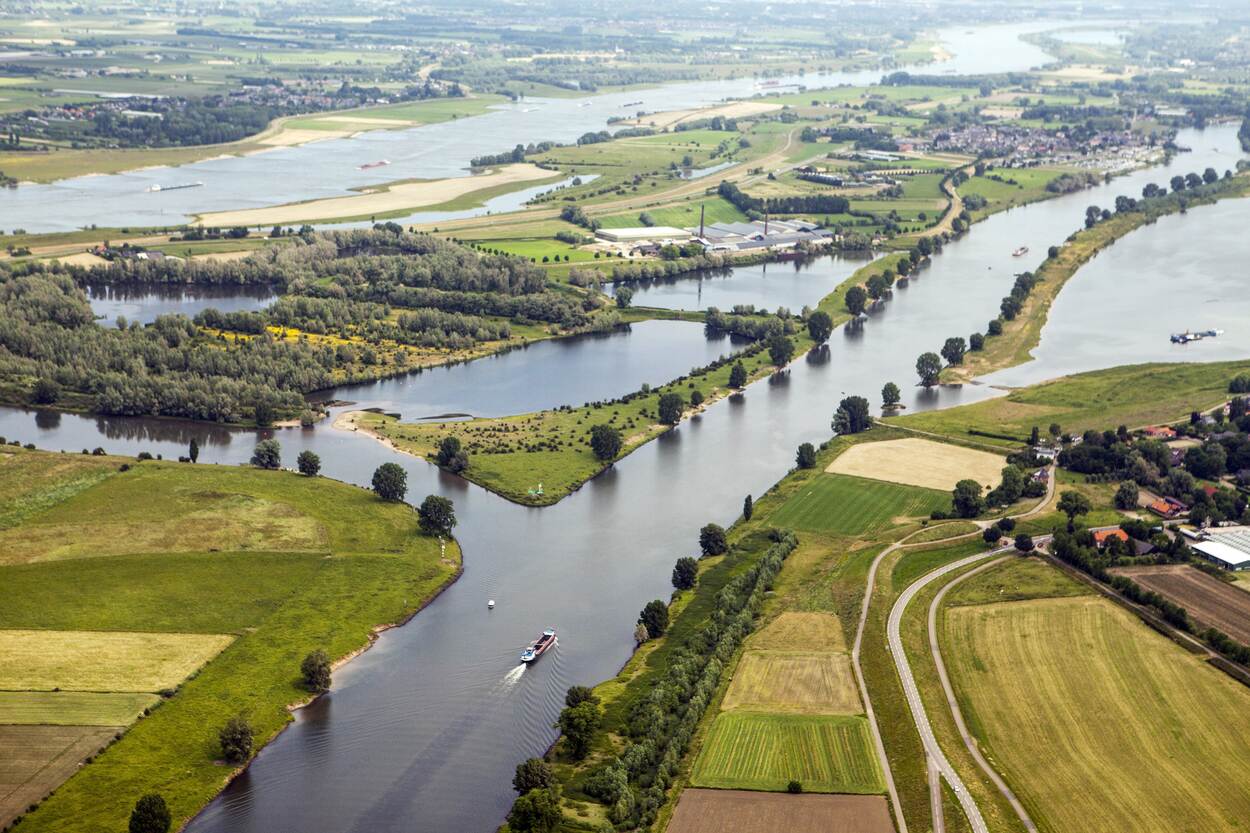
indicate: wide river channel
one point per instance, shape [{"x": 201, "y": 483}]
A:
[{"x": 422, "y": 732}]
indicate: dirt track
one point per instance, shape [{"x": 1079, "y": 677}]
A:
[
  {"x": 1209, "y": 601},
  {"x": 714, "y": 811}
]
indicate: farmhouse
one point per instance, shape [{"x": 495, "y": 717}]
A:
[
  {"x": 1160, "y": 432},
  {"x": 1227, "y": 547},
  {"x": 1167, "y": 507},
  {"x": 1102, "y": 535}
]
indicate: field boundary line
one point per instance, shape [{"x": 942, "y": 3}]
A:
[{"x": 953, "y": 703}]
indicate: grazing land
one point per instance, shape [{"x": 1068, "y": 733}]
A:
[
  {"x": 1132, "y": 395},
  {"x": 1086, "y": 712},
  {"x": 1211, "y": 602},
  {"x": 1016, "y": 580},
  {"x": 746, "y": 750},
  {"x": 845, "y": 505},
  {"x": 793, "y": 682},
  {"x": 916, "y": 462},
  {"x": 714, "y": 811},
  {"x": 111, "y": 631}
]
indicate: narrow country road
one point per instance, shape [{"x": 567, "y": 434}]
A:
[
  {"x": 953, "y": 704},
  {"x": 914, "y": 703}
]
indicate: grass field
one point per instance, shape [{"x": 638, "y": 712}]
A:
[
  {"x": 1132, "y": 395},
  {"x": 680, "y": 215},
  {"x": 1091, "y": 715},
  {"x": 745, "y": 750},
  {"x": 72, "y": 708},
  {"x": 1030, "y": 187},
  {"x": 854, "y": 505},
  {"x": 916, "y": 462},
  {"x": 44, "y": 660},
  {"x": 714, "y": 811},
  {"x": 784, "y": 681},
  {"x": 143, "y": 621},
  {"x": 29, "y": 482},
  {"x": 1016, "y": 580}
]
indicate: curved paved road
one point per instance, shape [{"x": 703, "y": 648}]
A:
[
  {"x": 957, "y": 713},
  {"x": 915, "y": 704}
]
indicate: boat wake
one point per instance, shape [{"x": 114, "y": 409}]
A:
[{"x": 512, "y": 678}]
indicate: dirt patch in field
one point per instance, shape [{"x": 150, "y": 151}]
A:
[
  {"x": 795, "y": 631},
  {"x": 794, "y": 682},
  {"x": 224, "y": 257},
  {"x": 714, "y": 811},
  {"x": 916, "y": 462},
  {"x": 381, "y": 200},
  {"x": 1209, "y": 601},
  {"x": 83, "y": 259},
  {"x": 35, "y": 760}
]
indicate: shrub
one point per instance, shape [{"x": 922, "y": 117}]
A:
[
  {"x": 267, "y": 454},
  {"x": 712, "y": 540},
  {"x": 150, "y": 815},
  {"x": 315, "y": 671},
  {"x": 655, "y": 617},
  {"x": 685, "y": 572},
  {"x": 806, "y": 456},
  {"x": 309, "y": 463},
  {"x": 236, "y": 740}
]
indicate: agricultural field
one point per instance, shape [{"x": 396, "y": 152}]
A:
[
  {"x": 827, "y": 753},
  {"x": 786, "y": 681},
  {"x": 1012, "y": 187},
  {"x": 917, "y": 462},
  {"x": 846, "y": 505},
  {"x": 1016, "y": 580},
  {"x": 680, "y": 215},
  {"x": 714, "y": 811},
  {"x": 1086, "y": 711},
  {"x": 793, "y": 630},
  {"x": 1132, "y": 395},
  {"x": 159, "y": 645},
  {"x": 1211, "y": 602}
]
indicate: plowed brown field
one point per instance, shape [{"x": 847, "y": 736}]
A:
[
  {"x": 715, "y": 811},
  {"x": 1209, "y": 601}
]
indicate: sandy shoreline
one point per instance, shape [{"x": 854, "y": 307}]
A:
[
  {"x": 349, "y": 421},
  {"x": 379, "y": 200}
]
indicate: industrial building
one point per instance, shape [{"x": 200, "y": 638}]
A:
[
  {"x": 759, "y": 235},
  {"x": 638, "y": 234},
  {"x": 1227, "y": 547}
]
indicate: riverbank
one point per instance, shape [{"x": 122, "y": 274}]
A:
[
  {"x": 391, "y": 200},
  {"x": 1021, "y": 334},
  {"x": 266, "y": 558},
  {"x": 287, "y": 131},
  {"x": 541, "y": 457}
]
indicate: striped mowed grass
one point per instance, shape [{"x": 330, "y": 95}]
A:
[
  {"x": 846, "y": 505},
  {"x": 757, "y": 751}
]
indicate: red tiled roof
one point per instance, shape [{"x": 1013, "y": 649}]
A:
[{"x": 1101, "y": 535}]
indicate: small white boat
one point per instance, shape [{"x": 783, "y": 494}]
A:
[
  {"x": 490, "y": 604},
  {"x": 1020, "y": 252}
]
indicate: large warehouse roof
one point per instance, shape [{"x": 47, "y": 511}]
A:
[{"x": 1229, "y": 545}]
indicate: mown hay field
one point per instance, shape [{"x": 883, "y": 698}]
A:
[
  {"x": 1096, "y": 721},
  {"x": 72, "y": 708},
  {"x": 809, "y": 683},
  {"x": 715, "y": 811},
  {"x": 102, "y": 661},
  {"x": 846, "y": 505},
  {"x": 794, "y": 630},
  {"x": 916, "y": 462},
  {"x": 748, "y": 750}
]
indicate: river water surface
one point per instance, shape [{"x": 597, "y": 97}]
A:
[{"x": 422, "y": 732}]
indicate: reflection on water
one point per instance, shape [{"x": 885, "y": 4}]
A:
[{"x": 144, "y": 303}]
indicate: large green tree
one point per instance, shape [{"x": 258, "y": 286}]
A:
[
  {"x": 856, "y": 300},
  {"x": 670, "y": 408},
  {"x": 605, "y": 441},
  {"x": 267, "y": 454},
  {"x": 150, "y": 815},
  {"x": 1073, "y": 504},
  {"x": 966, "y": 499},
  {"x": 436, "y": 515},
  {"x": 712, "y": 540},
  {"x": 685, "y": 573},
  {"x": 819, "y": 326},
  {"x": 928, "y": 367},
  {"x": 654, "y": 617},
  {"x": 852, "y": 416},
  {"x": 390, "y": 482}
]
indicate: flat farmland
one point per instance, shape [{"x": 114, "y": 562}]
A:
[
  {"x": 714, "y": 811},
  {"x": 1088, "y": 713},
  {"x": 1209, "y": 601},
  {"x": 847, "y": 505},
  {"x": 916, "y": 462},
  {"x": 72, "y": 708},
  {"x": 37, "y": 759},
  {"x": 794, "y": 682},
  {"x": 102, "y": 661},
  {"x": 794, "y": 630},
  {"x": 748, "y": 750}
]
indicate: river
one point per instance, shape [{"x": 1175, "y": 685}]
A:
[
  {"x": 423, "y": 731},
  {"x": 330, "y": 168}
]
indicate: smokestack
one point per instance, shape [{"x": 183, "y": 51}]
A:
[
  {"x": 701, "y": 210},
  {"x": 765, "y": 223}
]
